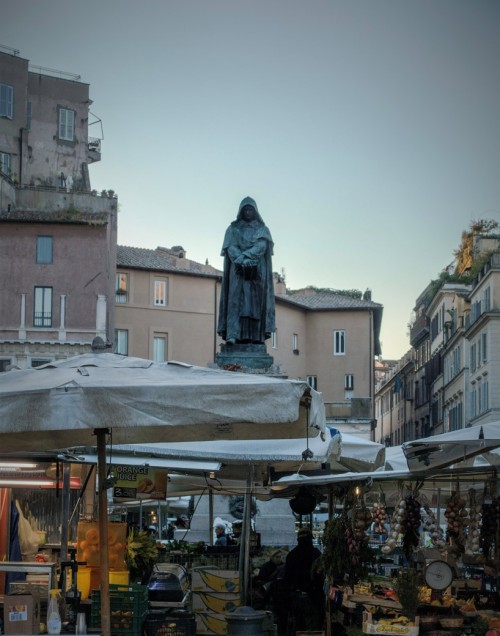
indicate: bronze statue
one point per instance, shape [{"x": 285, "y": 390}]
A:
[{"x": 246, "y": 311}]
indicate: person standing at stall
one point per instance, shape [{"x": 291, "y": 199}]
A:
[{"x": 307, "y": 598}]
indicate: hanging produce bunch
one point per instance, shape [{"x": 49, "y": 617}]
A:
[
  {"x": 430, "y": 525},
  {"x": 472, "y": 543},
  {"x": 397, "y": 526},
  {"x": 346, "y": 553},
  {"x": 412, "y": 522},
  {"x": 379, "y": 516},
  {"x": 457, "y": 519}
]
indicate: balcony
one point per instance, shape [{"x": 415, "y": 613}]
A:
[{"x": 419, "y": 330}]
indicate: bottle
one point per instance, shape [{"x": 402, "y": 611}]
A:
[{"x": 53, "y": 615}]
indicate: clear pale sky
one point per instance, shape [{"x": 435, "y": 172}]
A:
[{"x": 367, "y": 130}]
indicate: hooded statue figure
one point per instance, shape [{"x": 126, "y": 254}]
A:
[{"x": 246, "y": 311}]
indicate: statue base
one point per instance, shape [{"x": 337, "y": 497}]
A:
[{"x": 247, "y": 358}]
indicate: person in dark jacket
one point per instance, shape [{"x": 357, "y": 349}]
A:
[{"x": 305, "y": 584}]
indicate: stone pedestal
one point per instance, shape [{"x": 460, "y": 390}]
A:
[{"x": 249, "y": 358}]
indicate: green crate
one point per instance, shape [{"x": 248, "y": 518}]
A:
[{"x": 128, "y": 606}]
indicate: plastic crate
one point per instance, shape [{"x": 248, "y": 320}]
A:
[
  {"x": 163, "y": 623},
  {"x": 128, "y": 605}
]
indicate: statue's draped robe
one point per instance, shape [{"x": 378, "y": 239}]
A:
[{"x": 247, "y": 311}]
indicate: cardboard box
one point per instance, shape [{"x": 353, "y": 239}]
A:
[
  {"x": 211, "y": 623},
  {"x": 216, "y": 602},
  {"x": 212, "y": 580},
  {"x": 21, "y": 614}
]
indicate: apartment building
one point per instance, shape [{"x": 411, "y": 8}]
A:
[
  {"x": 455, "y": 338},
  {"x": 44, "y": 125},
  {"x": 167, "y": 308},
  {"x": 57, "y": 239}
]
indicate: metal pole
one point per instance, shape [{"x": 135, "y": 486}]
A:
[
  {"x": 65, "y": 517},
  {"x": 103, "y": 531},
  {"x": 211, "y": 516},
  {"x": 245, "y": 539}
]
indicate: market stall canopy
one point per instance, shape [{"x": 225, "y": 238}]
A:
[
  {"x": 342, "y": 451},
  {"x": 454, "y": 448},
  {"x": 61, "y": 403}
]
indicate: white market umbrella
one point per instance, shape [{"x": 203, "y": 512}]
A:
[
  {"x": 454, "y": 448},
  {"x": 66, "y": 403}
]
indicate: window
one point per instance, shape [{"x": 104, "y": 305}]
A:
[
  {"x": 121, "y": 341},
  {"x": 312, "y": 381},
  {"x": 274, "y": 339},
  {"x": 295, "y": 343},
  {"x": 6, "y": 101},
  {"x": 339, "y": 343},
  {"x": 66, "y": 124},
  {"x": 43, "y": 307},
  {"x": 160, "y": 293},
  {"x": 5, "y": 364},
  {"x": 473, "y": 357},
  {"x": 484, "y": 348},
  {"x": 472, "y": 397},
  {"x": 484, "y": 396},
  {"x": 159, "y": 348},
  {"x": 44, "y": 249},
  {"x": 38, "y": 362},
  {"x": 121, "y": 288},
  {"x": 349, "y": 382},
  {"x": 5, "y": 163}
]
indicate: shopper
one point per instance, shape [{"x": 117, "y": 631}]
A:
[{"x": 307, "y": 598}]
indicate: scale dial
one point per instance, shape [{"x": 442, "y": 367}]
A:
[{"x": 438, "y": 575}]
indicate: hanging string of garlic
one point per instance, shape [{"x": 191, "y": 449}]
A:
[
  {"x": 472, "y": 543},
  {"x": 430, "y": 525},
  {"x": 379, "y": 516},
  {"x": 397, "y": 524},
  {"x": 457, "y": 518}
]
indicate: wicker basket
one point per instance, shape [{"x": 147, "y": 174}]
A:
[{"x": 451, "y": 623}]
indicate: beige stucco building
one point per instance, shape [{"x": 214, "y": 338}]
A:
[{"x": 167, "y": 308}]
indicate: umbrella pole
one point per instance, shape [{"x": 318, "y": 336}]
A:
[
  {"x": 245, "y": 540},
  {"x": 103, "y": 531}
]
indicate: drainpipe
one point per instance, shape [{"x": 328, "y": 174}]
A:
[{"x": 21, "y": 131}]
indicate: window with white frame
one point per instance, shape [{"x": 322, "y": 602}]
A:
[
  {"x": 42, "y": 315},
  {"x": 312, "y": 381},
  {"x": 159, "y": 347},
  {"x": 339, "y": 342},
  {"x": 121, "y": 341},
  {"x": 274, "y": 339},
  {"x": 44, "y": 249},
  {"x": 5, "y": 163},
  {"x": 160, "y": 293},
  {"x": 6, "y": 101},
  {"x": 484, "y": 347},
  {"x": 121, "y": 294},
  {"x": 472, "y": 402},
  {"x": 473, "y": 353},
  {"x": 295, "y": 343},
  {"x": 66, "y": 124},
  {"x": 487, "y": 299},
  {"x": 484, "y": 396},
  {"x": 349, "y": 382}
]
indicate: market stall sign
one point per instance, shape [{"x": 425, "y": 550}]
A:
[{"x": 139, "y": 482}]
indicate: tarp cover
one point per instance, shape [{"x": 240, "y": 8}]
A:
[{"x": 61, "y": 403}]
